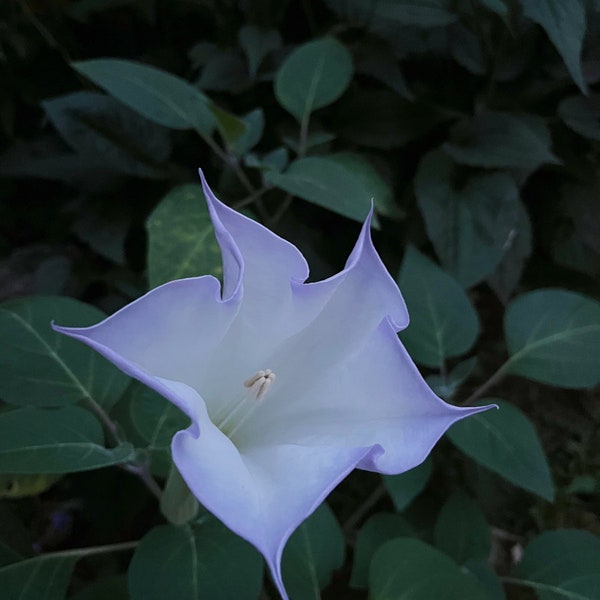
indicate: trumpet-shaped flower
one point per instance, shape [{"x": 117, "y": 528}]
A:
[{"x": 289, "y": 385}]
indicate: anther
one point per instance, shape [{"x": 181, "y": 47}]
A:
[{"x": 260, "y": 383}]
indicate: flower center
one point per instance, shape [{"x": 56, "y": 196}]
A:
[{"x": 257, "y": 387}]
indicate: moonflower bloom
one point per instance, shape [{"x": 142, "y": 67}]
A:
[{"x": 289, "y": 385}]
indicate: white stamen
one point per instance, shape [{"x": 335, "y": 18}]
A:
[{"x": 260, "y": 383}]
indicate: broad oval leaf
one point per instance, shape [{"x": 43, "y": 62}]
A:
[
  {"x": 501, "y": 140},
  {"x": 314, "y": 75},
  {"x": 313, "y": 552},
  {"x": 582, "y": 114},
  {"x": 38, "y": 578},
  {"x": 443, "y": 323},
  {"x": 412, "y": 570},
  {"x": 565, "y": 24},
  {"x": 40, "y": 367},
  {"x": 559, "y": 558},
  {"x": 380, "y": 528},
  {"x": 506, "y": 442},
  {"x": 461, "y": 530},
  {"x": 553, "y": 336},
  {"x": 331, "y": 183},
  {"x": 181, "y": 239},
  {"x": 469, "y": 228},
  {"x": 63, "y": 440},
  {"x": 404, "y": 488},
  {"x": 157, "y": 95},
  {"x": 198, "y": 566}
]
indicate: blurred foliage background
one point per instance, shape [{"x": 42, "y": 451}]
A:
[{"x": 473, "y": 125}]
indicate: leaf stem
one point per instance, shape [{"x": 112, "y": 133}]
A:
[
  {"x": 485, "y": 386},
  {"x": 92, "y": 550}
]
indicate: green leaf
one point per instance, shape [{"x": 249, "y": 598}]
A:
[
  {"x": 394, "y": 123},
  {"x": 181, "y": 239},
  {"x": 404, "y": 488},
  {"x": 487, "y": 578},
  {"x": 313, "y": 552},
  {"x": 582, "y": 114},
  {"x": 63, "y": 440},
  {"x": 40, "y": 367},
  {"x": 553, "y": 336},
  {"x": 445, "y": 386},
  {"x": 501, "y": 140},
  {"x": 157, "y": 95},
  {"x": 461, "y": 530},
  {"x": 255, "y": 124},
  {"x": 470, "y": 227},
  {"x": 559, "y": 558},
  {"x": 340, "y": 184},
  {"x": 204, "y": 560},
  {"x": 505, "y": 441},
  {"x": 314, "y": 75},
  {"x": 97, "y": 125},
  {"x": 565, "y": 24},
  {"x": 443, "y": 323},
  {"x": 177, "y": 503},
  {"x": 380, "y": 528},
  {"x": 257, "y": 43},
  {"x": 412, "y": 570},
  {"x": 39, "y": 578},
  {"x": 230, "y": 127}
]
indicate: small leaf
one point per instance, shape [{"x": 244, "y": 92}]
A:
[
  {"x": 559, "y": 558},
  {"x": 40, "y": 367},
  {"x": 257, "y": 43},
  {"x": 64, "y": 440},
  {"x": 553, "y": 336},
  {"x": 380, "y": 528},
  {"x": 501, "y": 140},
  {"x": 39, "y": 578},
  {"x": 582, "y": 114},
  {"x": 461, "y": 530},
  {"x": 443, "y": 323},
  {"x": 157, "y": 95},
  {"x": 204, "y": 560},
  {"x": 505, "y": 441},
  {"x": 313, "y": 552},
  {"x": 177, "y": 503},
  {"x": 445, "y": 386},
  {"x": 230, "y": 127},
  {"x": 469, "y": 228},
  {"x": 565, "y": 24},
  {"x": 404, "y": 488},
  {"x": 181, "y": 239},
  {"x": 412, "y": 570},
  {"x": 255, "y": 124},
  {"x": 314, "y": 75},
  {"x": 331, "y": 183}
]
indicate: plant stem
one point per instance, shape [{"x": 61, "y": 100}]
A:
[
  {"x": 484, "y": 387},
  {"x": 103, "y": 417},
  {"x": 376, "y": 495},
  {"x": 92, "y": 550}
]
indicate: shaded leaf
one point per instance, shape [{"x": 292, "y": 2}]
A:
[
  {"x": 181, "y": 239},
  {"x": 64, "y": 440},
  {"x": 443, "y": 323},
  {"x": 314, "y": 75},
  {"x": 553, "y": 336},
  {"x": 582, "y": 114},
  {"x": 505, "y": 441},
  {"x": 257, "y": 43},
  {"x": 404, "y": 488},
  {"x": 445, "y": 386},
  {"x": 43, "y": 368}
]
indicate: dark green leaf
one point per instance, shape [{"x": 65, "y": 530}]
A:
[
  {"x": 43, "y": 368},
  {"x": 205, "y": 560},
  {"x": 469, "y": 228},
  {"x": 177, "y": 503},
  {"x": 553, "y": 336},
  {"x": 582, "y": 114},
  {"x": 113, "y": 587},
  {"x": 257, "y": 43},
  {"x": 411, "y": 570},
  {"x": 443, "y": 323},
  {"x": 98, "y": 126},
  {"x": 564, "y": 22},
  {"x": 181, "y": 240},
  {"x": 380, "y": 528},
  {"x": 64, "y": 440},
  {"x": 157, "y": 95},
  {"x": 487, "y": 578},
  {"x": 445, "y": 386},
  {"x": 224, "y": 71},
  {"x": 506, "y": 442},
  {"x": 461, "y": 530},
  {"x": 404, "y": 488},
  {"x": 314, "y": 75},
  {"x": 332, "y": 183},
  {"x": 255, "y": 123},
  {"x": 39, "y": 578},
  {"x": 501, "y": 140}
]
